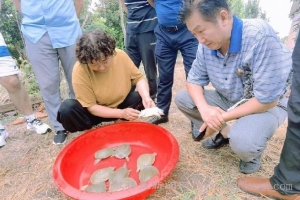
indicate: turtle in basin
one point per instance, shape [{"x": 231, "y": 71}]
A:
[
  {"x": 119, "y": 174},
  {"x": 96, "y": 188},
  {"x": 123, "y": 184},
  {"x": 122, "y": 151},
  {"x": 146, "y": 159},
  {"x": 147, "y": 173},
  {"x": 101, "y": 175},
  {"x": 103, "y": 153}
]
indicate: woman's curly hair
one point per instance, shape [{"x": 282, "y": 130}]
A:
[{"x": 92, "y": 43}]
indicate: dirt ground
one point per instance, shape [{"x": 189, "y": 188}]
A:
[{"x": 26, "y": 163}]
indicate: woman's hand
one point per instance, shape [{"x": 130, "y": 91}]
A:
[
  {"x": 148, "y": 102},
  {"x": 130, "y": 114},
  {"x": 143, "y": 89}
]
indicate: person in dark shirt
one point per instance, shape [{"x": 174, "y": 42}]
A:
[{"x": 140, "y": 38}]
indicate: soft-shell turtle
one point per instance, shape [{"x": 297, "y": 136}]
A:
[
  {"x": 123, "y": 184},
  {"x": 146, "y": 159},
  {"x": 97, "y": 188},
  {"x": 122, "y": 151},
  {"x": 119, "y": 174},
  {"x": 101, "y": 175},
  {"x": 103, "y": 153},
  {"x": 83, "y": 187},
  {"x": 147, "y": 173},
  {"x": 149, "y": 112}
]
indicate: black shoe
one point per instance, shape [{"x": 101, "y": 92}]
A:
[
  {"x": 199, "y": 136},
  {"x": 215, "y": 143},
  {"x": 156, "y": 120},
  {"x": 60, "y": 137}
]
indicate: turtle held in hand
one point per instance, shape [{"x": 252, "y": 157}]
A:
[
  {"x": 122, "y": 151},
  {"x": 103, "y": 153},
  {"x": 149, "y": 112},
  {"x": 146, "y": 159}
]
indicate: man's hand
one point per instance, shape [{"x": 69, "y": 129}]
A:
[
  {"x": 208, "y": 131},
  {"x": 212, "y": 117},
  {"x": 130, "y": 114}
]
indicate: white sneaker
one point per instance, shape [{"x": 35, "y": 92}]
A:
[
  {"x": 3, "y": 136},
  {"x": 38, "y": 126}
]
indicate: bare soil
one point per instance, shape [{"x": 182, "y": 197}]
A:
[{"x": 27, "y": 159}]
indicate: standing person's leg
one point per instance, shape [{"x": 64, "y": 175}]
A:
[
  {"x": 287, "y": 172},
  {"x": 9, "y": 79},
  {"x": 188, "y": 46},
  {"x": 132, "y": 49},
  {"x": 166, "y": 58},
  {"x": 249, "y": 135},
  {"x": 17, "y": 93},
  {"x": 146, "y": 43},
  {"x": 19, "y": 96},
  {"x": 45, "y": 63},
  {"x": 68, "y": 59},
  {"x": 285, "y": 183}
]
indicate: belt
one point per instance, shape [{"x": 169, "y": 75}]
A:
[{"x": 173, "y": 28}]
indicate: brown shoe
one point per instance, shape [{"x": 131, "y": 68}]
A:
[{"x": 262, "y": 187}]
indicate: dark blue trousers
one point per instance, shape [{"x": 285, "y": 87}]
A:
[
  {"x": 167, "y": 46},
  {"x": 286, "y": 178}
]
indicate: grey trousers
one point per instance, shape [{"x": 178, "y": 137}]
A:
[
  {"x": 249, "y": 134},
  {"x": 45, "y": 63}
]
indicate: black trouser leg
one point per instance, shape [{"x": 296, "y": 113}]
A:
[
  {"x": 147, "y": 43},
  {"x": 141, "y": 47},
  {"x": 286, "y": 178},
  {"x": 74, "y": 117},
  {"x": 133, "y": 100}
]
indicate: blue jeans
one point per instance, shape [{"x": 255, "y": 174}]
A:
[{"x": 167, "y": 46}]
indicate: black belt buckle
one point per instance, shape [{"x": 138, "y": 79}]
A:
[{"x": 173, "y": 28}]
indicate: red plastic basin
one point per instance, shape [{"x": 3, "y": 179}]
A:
[{"x": 75, "y": 163}]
